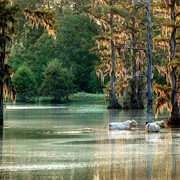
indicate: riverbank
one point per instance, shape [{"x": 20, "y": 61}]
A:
[{"x": 78, "y": 97}]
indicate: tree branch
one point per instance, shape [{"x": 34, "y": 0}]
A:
[
  {"x": 177, "y": 14},
  {"x": 142, "y": 3},
  {"x": 139, "y": 75}
]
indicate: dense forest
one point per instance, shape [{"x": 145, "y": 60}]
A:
[{"x": 93, "y": 46}]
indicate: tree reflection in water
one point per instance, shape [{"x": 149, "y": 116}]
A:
[
  {"x": 135, "y": 158},
  {"x": 73, "y": 143}
]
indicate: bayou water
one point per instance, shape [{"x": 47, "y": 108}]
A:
[{"x": 72, "y": 142}]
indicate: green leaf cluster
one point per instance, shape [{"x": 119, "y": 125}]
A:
[
  {"x": 25, "y": 83},
  {"x": 58, "y": 81},
  {"x": 72, "y": 46}
]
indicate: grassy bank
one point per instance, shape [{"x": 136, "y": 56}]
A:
[
  {"x": 91, "y": 98},
  {"x": 78, "y": 97}
]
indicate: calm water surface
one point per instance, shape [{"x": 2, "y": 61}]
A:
[{"x": 71, "y": 142}]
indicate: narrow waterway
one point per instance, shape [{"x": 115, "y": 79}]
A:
[{"x": 72, "y": 142}]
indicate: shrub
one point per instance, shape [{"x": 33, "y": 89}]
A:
[{"x": 25, "y": 83}]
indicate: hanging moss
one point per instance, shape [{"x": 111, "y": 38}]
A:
[{"x": 174, "y": 63}]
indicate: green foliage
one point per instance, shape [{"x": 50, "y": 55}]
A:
[
  {"x": 25, "y": 83},
  {"x": 87, "y": 97},
  {"x": 72, "y": 45},
  {"x": 75, "y": 41},
  {"x": 159, "y": 78},
  {"x": 58, "y": 81},
  {"x": 75, "y": 45},
  {"x": 7, "y": 19},
  {"x": 94, "y": 83}
]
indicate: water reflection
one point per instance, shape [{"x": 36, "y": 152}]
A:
[
  {"x": 138, "y": 159},
  {"x": 73, "y": 142}
]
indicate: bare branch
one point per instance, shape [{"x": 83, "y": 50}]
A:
[
  {"x": 139, "y": 75},
  {"x": 142, "y": 3},
  {"x": 141, "y": 23}
]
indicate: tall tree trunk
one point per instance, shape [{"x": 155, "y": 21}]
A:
[
  {"x": 2, "y": 58},
  {"x": 175, "y": 114},
  {"x": 134, "y": 100},
  {"x": 149, "y": 73},
  {"x": 135, "y": 84},
  {"x": 112, "y": 94},
  {"x": 140, "y": 89}
]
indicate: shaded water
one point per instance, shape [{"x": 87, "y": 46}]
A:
[{"x": 71, "y": 142}]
